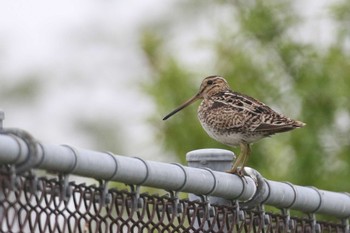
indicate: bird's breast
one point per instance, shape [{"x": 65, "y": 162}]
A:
[{"x": 225, "y": 125}]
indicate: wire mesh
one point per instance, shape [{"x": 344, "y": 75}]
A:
[{"x": 39, "y": 204}]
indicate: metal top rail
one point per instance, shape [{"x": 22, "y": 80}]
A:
[{"x": 252, "y": 190}]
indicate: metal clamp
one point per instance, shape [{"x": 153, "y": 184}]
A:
[
  {"x": 115, "y": 163},
  {"x": 208, "y": 208},
  {"x": 176, "y": 205},
  {"x": 13, "y": 178},
  {"x": 147, "y": 170},
  {"x": 346, "y": 225},
  {"x": 215, "y": 181},
  {"x": 320, "y": 196},
  {"x": 75, "y": 163},
  {"x": 65, "y": 190},
  {"x": 185, "y": 176},
  {"x": 239, "y": 212},
  {"x": 289, "y": 223},
  {"x": 262, "y": 187},
  {"x": 105, "y": 197},
  {"x": 34, "y": 184},
  {"x": 265, "y": 219},
  {"x": 295, "y": 195},
  {"x": 32, "y": 156},
  {"x": 137, "y": 202},
  {"x": 243, "y": 180},
  {"x": 314, "y": 225}
]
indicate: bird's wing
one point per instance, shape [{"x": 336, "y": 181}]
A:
[
  {"x": 240, "y": 101},
  {"x": 258, "y": 116},
  {"x": 274, "y": 128}
]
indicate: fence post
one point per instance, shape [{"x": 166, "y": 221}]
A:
[{"x": 214, "y": 159}]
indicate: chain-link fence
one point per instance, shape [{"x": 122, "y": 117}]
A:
[
  {"x": 39, "y": 204},
  {"x": 223, "y": 202}
]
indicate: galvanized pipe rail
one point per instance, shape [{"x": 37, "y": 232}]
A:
[{"x": 130, "y": 170}]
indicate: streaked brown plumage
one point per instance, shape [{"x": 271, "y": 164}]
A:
[{"x": 236, "y": 119}]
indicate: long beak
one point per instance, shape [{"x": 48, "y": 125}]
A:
[{"x": 182, "y": 106}]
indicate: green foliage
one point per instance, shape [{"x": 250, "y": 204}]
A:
[
  {"x": 265, "y": 20},
  {"x": 263, "y": 59},
  {"x": 341, "y": 12},
  {"x": 23, "y": 92}
]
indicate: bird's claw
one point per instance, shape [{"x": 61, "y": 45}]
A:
[{"x": 239, "y": 172}]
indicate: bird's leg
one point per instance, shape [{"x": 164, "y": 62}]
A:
[
  {"x": 245, "y": 159},
  {"x": 243, "y": 148}
]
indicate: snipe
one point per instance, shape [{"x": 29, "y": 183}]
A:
[{"x": 236, "y": 119}]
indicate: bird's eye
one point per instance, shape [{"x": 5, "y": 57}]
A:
[{"x": 210, "y": 82}]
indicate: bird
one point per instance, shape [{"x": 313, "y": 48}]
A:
[{"x": 235, "y": 119}]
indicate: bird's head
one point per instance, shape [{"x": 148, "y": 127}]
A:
[{"x": 210, "y": 86}]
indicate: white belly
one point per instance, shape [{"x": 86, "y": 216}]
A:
[{"x": 230, "y": 139}]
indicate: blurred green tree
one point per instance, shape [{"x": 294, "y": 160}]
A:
[{"x": 255, "y": 48}]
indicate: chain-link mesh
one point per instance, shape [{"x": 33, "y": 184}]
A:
[{"x": 31, "y": 204}]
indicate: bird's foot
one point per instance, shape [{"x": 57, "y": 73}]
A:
[
  {"x": 240, "y": 172},
  {"x": 237, "y": 171},
  {"x": 232, "y": 171}
]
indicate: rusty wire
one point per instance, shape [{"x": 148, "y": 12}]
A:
[{"x": 32, "y": 204}]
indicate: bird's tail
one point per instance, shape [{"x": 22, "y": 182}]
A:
[{"x": 299, "y": 124}]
